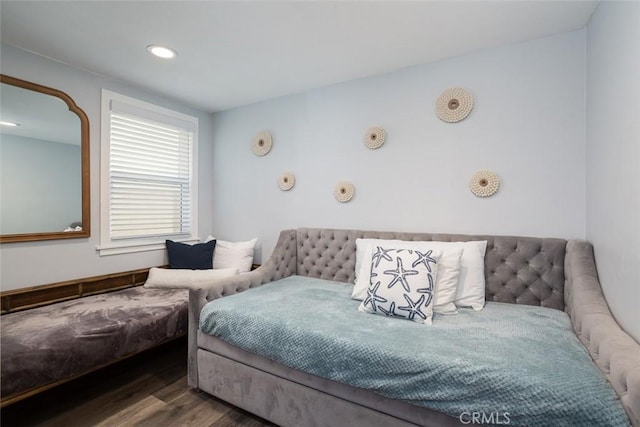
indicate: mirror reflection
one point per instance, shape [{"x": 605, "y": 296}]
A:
[{"x": 41, "y": 166}]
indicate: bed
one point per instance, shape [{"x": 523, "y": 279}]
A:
[{"x": 545, "y": 349}]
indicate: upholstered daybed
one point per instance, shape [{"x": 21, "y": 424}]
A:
[
  {"x": 46, "y": 346},
  {"x": 297, "y": 351}
]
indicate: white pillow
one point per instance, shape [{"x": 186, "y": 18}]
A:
[
  {"x": 233, "y": 254},
  {"x": 403, "y": 284},
  {"x": 175, "y": 278},
  {"x": 448, "y": 269},
  {"x": 471, "y": 286}
]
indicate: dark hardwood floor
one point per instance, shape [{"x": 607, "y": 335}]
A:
[{"x": 149, "y": 389}]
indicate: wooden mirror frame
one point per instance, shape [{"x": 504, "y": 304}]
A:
[{"x": 85, "y": 167}]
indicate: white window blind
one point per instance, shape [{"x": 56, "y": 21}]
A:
[{"x": 150, "y": 177}]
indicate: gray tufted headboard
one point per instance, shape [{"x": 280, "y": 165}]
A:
[{"x": 518, "y": 270}]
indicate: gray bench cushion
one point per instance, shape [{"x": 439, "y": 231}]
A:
[{"x": 60, "y": 341}]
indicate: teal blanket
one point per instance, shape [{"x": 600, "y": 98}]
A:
[{"x": 514, "y": 363}]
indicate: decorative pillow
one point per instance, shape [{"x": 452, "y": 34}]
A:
[
  {"x": 402, "y": 284},
  {"x": 470, "y": 290},
  {"x": 234, "y": 254},
  {"x": 193, "y": 257},
  {"x": 471, "y": 287},
  {"x": 189, "y": 279},
  {"x": 448, "y": 269}
]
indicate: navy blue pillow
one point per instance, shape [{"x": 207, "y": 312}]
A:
[{"x": 192, "y": 257}]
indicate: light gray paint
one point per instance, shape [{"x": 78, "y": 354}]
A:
[
  {"x": 29, "y": 264},
  {"x": 613, "y": 155},
  {"x": 527, "y": 125},
  {"x": 39, "y": 184}
]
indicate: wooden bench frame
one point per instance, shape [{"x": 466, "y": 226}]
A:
[{"x": 36, "y": 296}]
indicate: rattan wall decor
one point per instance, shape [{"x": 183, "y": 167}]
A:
[
  {"x": 343, "y": 191},
  {"x": 261, "y": 143},
  {"x": 374, "y": 137},
  {"x": 286, "y": 181},
  {"x": 484, "y": 183},
  {"x": 454, "y": 104}
]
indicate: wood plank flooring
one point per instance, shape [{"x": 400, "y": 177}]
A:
[{"x": 149, "y": 389}]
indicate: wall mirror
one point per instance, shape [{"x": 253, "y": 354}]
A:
[{"x": 44, "y": 164}]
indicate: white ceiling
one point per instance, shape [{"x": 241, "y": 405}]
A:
[{"x": 235, "y": 53}]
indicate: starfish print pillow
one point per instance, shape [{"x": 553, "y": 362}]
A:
[{"x": 402, "y": 284}]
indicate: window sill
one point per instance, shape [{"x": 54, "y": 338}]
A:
[{"x": 133, "y": 247}]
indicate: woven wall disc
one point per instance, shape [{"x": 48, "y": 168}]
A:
[
  {"x": 343, "y": 191},
  {"x": 286, "y": 181},
  {"x": 374, "y": 138},
  {"x": 454, "y": 104},
  {"x": 484, "y": 183},
  {"x": 261, "y": 143}
]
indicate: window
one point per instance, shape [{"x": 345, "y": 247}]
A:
[{"x": 148, "y": 175}]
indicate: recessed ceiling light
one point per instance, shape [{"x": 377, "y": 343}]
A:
[
  {"x": 161, "y": 51},
  {"x": 11, "y": 124}
]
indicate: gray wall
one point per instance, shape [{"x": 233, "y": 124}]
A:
[
  {"x": 39, "y": 184},
  {"x": 613, "y": 155},
  {"x": 30, "y": 264},
  {"x": 527, "y": 125}
]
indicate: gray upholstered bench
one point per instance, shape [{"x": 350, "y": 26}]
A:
[{"x": 45, "y": 346}]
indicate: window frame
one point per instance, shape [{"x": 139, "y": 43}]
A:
[{"x": 109, "y": 246}]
